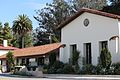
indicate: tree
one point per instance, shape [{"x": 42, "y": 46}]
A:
[
  {"x": 75, "y": 57},
  {"x": 93, "y": 4},
  {"x": 28, "y": 40},
  {"x": 114, "y": 2},
  {"x": 57, "y": 12},
  {"x": 113, "y": 8},
  {"x": 52, "y": 58},
  {"x": 10, "y": 60},
  {"x": 51, "y": 16},
  {"x": 1, "y": 32},
  {"x": 41, "y": 37},
  {"x": 105, "y": 58},
  {"x": 22, "y": 25},
  {"x": 7, "y": 35}
]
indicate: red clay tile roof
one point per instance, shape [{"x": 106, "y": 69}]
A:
[
  {"x": 34, "y": 51},
  {"x": 89, "y": 11},
  {"x": 7, "y": 48}
]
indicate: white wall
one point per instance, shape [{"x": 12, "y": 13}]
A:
[
  {"x": 4, "y": 66},
  {"x": 2, "y": 52},
  {"x": 116, "y": 56},
  {"x": 100, "y": 28}
]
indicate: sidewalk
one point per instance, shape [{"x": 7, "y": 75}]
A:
[
  {"x": 87, "y": 77},
  {"x": 66, "y": 77}
]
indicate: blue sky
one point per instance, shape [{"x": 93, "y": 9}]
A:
[{"x": 10, "y": 9}]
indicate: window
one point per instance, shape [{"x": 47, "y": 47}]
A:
[
  {"x": 87, "y": 51},
  {"x": 73, "y": 49},
  {"x": 40, "y": 61},
  {"x": 27, "y": 61},
  {"x": 86, "y": 22},
  {"x": 103, "y": 44},
  {"x": 23, "y": 62}
]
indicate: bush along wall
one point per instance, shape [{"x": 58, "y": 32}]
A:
[
  {"x": 103, "y": 68},
  {"x": 61, "y": 68}
]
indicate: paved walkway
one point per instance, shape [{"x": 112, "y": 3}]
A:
[
  {"x": 83, "y": 77},
  {"x": 61, "y": 77}
]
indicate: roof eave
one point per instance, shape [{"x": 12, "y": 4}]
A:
[{"x": 88, "y": 11}]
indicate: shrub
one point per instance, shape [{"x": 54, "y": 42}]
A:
[
  {"x": 10, "y": 61},
  {"x": 88, "y": 69},
  {"x": 60, "y": 71},
  {"x": 98, "y": 69},
  {"x": 46, "y": 66},
  {"x": 45, "y": 71},
  {"x": 105, "y": 58},
  {"x": 110, "y": 71},
  {"x": 75, "y": 57},
  {"x": 52, "y": 70},
  {"x": 52, "y": 58},
  {"x": 56, "y": 67},
  {"x": 77, "y": 69},
  {"x": 116, "y": 68},
  {"x": 68, "y": 69}
]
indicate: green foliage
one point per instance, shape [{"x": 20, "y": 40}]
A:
[
  {"x": 50, "y": 17},
  {"x": 52, "y": 58},
  {"x": 21, "y": 26},
  {"x": 5, "y": 33},
  {"x": 55, "y": 13},
  {"x": 116, "y": 68},
  {"x": 17, "y": 41},
  {"x": 1, "y": 32},
  {"x": 105, "y": 58},
  {"x": 75, "y": 57},
  {"x": 114, "y": 8},
  {"x": 28, "y": 40},
  {"x": 94, "y": 4},
  {"x": 40, "y": 37},
  {"x": 10, "y": 61},
  {"x": 59, "y": 68},
  {"x": 88, "y": 69},
  {"x": 76, "y": 69},
  {"x": 57, "y": 65},
  {"x": 68, "y": 69},
  {"x": 55, "y": 68}
]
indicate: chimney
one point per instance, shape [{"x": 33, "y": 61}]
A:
[{"x": 5, "y": 43}]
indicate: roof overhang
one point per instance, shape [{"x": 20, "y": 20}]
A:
[{"x": 92, "y": 11}]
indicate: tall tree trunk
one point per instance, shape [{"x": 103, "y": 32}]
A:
[{"x": 22, "y": 41}]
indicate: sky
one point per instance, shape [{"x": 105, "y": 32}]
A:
[{"x": 10, "y": 9}]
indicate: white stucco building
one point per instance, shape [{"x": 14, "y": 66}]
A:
[
  {"x": 32, "y": 56},
  {"x": 88, "y": 31},
  {"x": 4, "y": 49}
]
